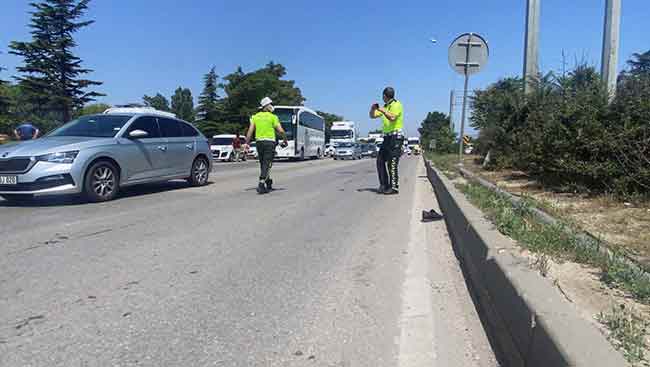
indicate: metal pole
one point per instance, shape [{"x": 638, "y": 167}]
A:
[
  {"x": 462, "y": 118},
  {"x": 451, "y": 110},
  {"x": 611, "y": 36},
  {"x": 531, "y": 46}
]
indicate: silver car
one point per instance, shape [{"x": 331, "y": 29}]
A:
[{"x": 96, "y": 155}]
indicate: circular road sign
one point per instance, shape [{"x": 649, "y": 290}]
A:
[{"x": 468, "y": 54}]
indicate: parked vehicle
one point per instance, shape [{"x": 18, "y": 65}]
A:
[
  {"x": 221, "y": 147},
  {"x": 348, "y": 151},
  {"x": 252, "y": 151},
  {"x": 98, "y": 155},
  {"x": 329, "y": 150}
]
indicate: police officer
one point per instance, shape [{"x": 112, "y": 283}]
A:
[
  {"x": 392, "y": 115},
  {"x": 265, "y": 124}
]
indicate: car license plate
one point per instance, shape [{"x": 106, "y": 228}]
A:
[{"x": 8, "y": 180}]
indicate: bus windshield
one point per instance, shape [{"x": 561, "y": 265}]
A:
[{"x": 286, "y": 119}]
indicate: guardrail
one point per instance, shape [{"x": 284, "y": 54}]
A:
[{"x": 528, "y": 321}]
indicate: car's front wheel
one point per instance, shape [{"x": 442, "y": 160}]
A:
[
  {"x": 102, "y": 181},
  {"x": 200, "y": 172}
]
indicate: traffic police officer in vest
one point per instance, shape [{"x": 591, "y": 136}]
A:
[
  {"x": 265, "y": 124},
  {"x": 392, "y": 115}
]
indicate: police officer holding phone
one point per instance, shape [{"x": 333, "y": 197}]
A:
[
  {"x": 392, "y": 116},
  {"x": 265, "y": 124}
]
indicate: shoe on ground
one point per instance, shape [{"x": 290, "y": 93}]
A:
[
  {"x": 391, "y": 191},
  {"x": 381, "y": 189},
  {"x": 431, "y": 216},
  {"x": 269, "y": 185},
  {"x": 261, "y": 188}
]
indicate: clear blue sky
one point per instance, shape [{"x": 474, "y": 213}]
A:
[{"x": 341, "y": 53}]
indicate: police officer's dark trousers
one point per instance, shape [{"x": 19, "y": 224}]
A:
[
  {"x": 388, "y": 161},
  {"x": 265, "y": 153}
]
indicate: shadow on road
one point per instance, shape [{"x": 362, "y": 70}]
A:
[
  {"x": 368, "y": 189},
  {"x": 127, "y": 192}
]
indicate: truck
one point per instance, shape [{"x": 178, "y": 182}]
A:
[{"x": 343, "y": 132}]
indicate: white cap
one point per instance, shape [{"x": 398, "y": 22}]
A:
[{"x": 265, "y": 102}]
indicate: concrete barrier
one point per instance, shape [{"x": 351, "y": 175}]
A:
[{"x": 528, "y": 321}]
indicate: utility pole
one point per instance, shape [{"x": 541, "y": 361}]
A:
[
  {"x": 531, "y": 52},
  {"x": 451, "y": 109},
  {"x": 611, "y": 37}
]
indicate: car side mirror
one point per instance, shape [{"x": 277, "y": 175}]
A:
[{"x": 138, "y": 134}]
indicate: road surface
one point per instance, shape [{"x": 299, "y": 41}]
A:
[{"x": 322, "y": 271}]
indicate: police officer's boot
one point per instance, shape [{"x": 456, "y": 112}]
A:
[
  {"x": 261, "y": 188},
  {"x": 269, "y": 185}
]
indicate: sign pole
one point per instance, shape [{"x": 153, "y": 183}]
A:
[{"x": 464, "y": 112}]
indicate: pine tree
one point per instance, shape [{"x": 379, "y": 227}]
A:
[
  {"x": 182, "y": 104},
  {"x": 208, "y": 108},
  {"x": 51, "y": 72}
]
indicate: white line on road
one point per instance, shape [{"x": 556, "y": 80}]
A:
[{"x": 417, "y": 335}]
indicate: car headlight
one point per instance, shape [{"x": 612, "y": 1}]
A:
[{"x": 61, "y": 157}]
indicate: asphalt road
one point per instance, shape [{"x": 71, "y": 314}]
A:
[{"x": 320, "y": 272}]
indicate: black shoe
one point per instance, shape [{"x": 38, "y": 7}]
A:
[
  {"x": 261, "y": 188},
  {"x": 391, "y": 192},
  {"x": 430, "y": 216},
  {"x": 381, "y": 189},
  {"x": 269, "y": 185}
]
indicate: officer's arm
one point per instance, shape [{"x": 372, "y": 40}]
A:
[
  {"x": 373, "y": 112},
  {"x": 249, "y": 134},
  {"x": 389, "y": 115},
  {"x": 281, "y": 131}
]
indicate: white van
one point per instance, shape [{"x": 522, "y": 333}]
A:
[{"x": 221, "y": 147}]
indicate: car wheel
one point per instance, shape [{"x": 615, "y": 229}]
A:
[
  {"x": 18, "y": 198},
  {"x": 302, "y": 154},
  {"x": 200, "y": 172},
  {"x": 101, "y": 182}
]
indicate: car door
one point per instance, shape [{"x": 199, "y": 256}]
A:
[
  {"x": 144, "y": 158},
  {"x": 180, "y": 148}
]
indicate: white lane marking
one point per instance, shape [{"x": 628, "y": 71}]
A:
[{"x": 416, "y": 347}]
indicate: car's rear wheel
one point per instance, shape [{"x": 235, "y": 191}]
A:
[
  {"x": 18, "y": 198},
  {"x": 200, "y": 172},
  {"x": 102, "y": 181}
]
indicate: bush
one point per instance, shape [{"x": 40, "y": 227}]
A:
[{"x": 566, "y": 133}]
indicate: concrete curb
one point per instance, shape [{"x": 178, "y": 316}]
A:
[{"x": 529, "y": 322}]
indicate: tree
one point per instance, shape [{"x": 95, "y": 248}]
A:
[
  {"x": 92, "y": 109},
  {"x": 158, "y": 102},
  {"x": 329, "y": 119},
  {"x": 245, "y": 90},
  {"x": 183, "y": 104},
  {"x": 208, "y": 107},
  {"x": 640, "y": 63},
  {"x": 51, "y": 74},
  {"x": 436, "y": 126}
]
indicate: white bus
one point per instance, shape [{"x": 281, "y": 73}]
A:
[{"x": 305, "y": 132}]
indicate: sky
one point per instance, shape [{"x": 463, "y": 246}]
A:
[{"x": 340, "y": 53}]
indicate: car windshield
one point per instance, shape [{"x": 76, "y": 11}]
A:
[
  {"x": 96, "y": 126},
  {"x": 341, "y": 134},
  {"x": 345, "y": 145},
  {"x": 222, "y": 141}
]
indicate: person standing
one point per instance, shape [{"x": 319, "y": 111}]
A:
[
  {"x": 264, "y": 125},
  {"x": 26, "y": 131},
  {"x": 392, "y": 115},
  {"x": 236, "y": 147}
]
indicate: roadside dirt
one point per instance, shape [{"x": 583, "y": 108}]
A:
[{"x": 625, "y": 226}]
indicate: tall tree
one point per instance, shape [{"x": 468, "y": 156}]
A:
[
  {"x": 208, "y": 107},
  {"x": 245, "y": 90},
  {"x": 436, "y": 127},
  {"x": 183, "y": 104},
  {"x": 158, "y": 102},
  {"x": 92, "y": 109},
  {"x": 51, "y": 73}
]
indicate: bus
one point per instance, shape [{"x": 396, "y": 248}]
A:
[{"x": 305, "y": 133}]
